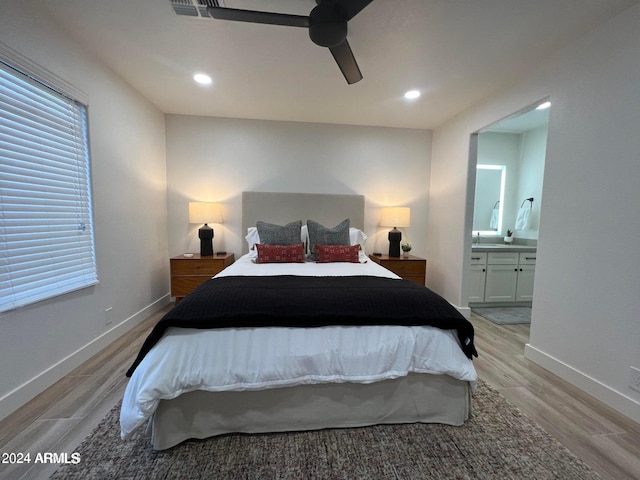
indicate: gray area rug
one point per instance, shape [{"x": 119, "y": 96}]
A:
[
  {"x": 505, "y": 315},
  {"x": 498, "y": 442}
]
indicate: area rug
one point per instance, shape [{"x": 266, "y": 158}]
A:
[
  {"x": 505, "y": 315},
  {"x": 498, "y": 442}
]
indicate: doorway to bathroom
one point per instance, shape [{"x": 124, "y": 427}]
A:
[{"x": 509, "y": 158}]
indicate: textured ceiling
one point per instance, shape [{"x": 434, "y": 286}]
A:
[{"x": 456, "y": 52}]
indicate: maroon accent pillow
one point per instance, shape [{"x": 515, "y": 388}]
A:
[
  {"x": 280, "y": 253},
  {"x": 337, "y": 253}
]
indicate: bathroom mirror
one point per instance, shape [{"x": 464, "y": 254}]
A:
[
  {"x": 489, "y": 199},
  {"x": 509, "y": 170}
]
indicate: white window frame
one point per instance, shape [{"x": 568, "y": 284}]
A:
[{"x": 46, "y": 214}]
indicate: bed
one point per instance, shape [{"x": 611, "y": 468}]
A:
[{"x": 331, "y": 352}]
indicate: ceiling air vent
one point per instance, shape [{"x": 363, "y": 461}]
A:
[{"x": 192, "y": 8}]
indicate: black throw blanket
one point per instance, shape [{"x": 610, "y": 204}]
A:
[{"x": 293, "y": 301}]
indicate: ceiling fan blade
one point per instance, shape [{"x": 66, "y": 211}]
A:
[
  {"x": 347, "y": 62},
  {"x": 255, "y": 16},
  {"x": 352, "y": 7}
]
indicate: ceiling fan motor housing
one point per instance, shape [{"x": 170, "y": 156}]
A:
[
  {"x": 327, "y": 27},
  {"x": 326, "y": 24}
]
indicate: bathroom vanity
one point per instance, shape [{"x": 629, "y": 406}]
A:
[{"x": 501, "y": 274}]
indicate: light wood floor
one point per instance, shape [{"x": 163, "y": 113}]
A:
[{"x": 59, "y": 418}]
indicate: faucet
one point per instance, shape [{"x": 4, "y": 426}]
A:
[{"x": 477, "y": 238}]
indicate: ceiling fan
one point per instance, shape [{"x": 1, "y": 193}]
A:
[{"x": 327, "y": 24}]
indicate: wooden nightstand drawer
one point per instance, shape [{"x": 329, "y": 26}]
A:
[
  {"x": 410, "y": 268},
  {"x": 188, "y": 266},
  {"x": 181, "y": 286},
  {"x": 405, "y": 268},
  {"x": 189, "y": 272}
]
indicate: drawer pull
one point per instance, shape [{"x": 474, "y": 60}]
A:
[
  {"x": 476, "y": 258},
  {"x": 530, "y": 258}
]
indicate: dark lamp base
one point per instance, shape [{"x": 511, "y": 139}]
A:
[
  {"x": 395, "y": 237},
  {"x": 205, "y": 233}
]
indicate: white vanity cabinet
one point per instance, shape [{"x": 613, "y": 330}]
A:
[
  {"x": 504, "y": 276},
  {"x": 476, "y": 277},
  {"x": 526, "y": 271}
]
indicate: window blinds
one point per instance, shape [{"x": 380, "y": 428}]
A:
[{"x": 46, "y": 225}]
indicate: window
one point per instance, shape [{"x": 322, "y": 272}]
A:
[{"x": 46, "y": 224}]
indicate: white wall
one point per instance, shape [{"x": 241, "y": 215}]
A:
[
  {"x": 41, "y": 343},
  {"x": 531, "y": 178},
  {"x": 215, "y": 159},
  {"x": 585, "y": 323}
]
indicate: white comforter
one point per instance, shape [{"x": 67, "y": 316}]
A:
[{"x": 254, "y": 359}]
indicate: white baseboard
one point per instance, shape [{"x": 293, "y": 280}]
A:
[
  {"x": 616, "y": 400},
  {"x": 465, "y": 311},
  {"x": 27, "y": 391}
]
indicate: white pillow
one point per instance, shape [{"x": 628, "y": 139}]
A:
[
  {"x": 304, "y": 234},
  {"x": 252, "y": 238},
  {"x": 357, "y": 236}
]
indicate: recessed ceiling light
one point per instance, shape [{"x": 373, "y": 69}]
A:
[
  {"x": 412, "y": 94},
  {"x": 543, "y": 106},
  {"x": 202, "y": 79}
]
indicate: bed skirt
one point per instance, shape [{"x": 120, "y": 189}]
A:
[{"x": 415, "y": 398}]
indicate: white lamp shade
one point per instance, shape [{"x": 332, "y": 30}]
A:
[
  {"x": 205, "y": 212},
  {"x": 396, "y": 217}
]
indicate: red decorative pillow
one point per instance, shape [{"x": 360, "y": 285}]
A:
[
  {"x": 280, "y": 253},
  {"x": 337, "y": 253}
]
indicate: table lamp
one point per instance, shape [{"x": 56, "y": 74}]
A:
[
  {"x": 205, "y": 212},
  {"x": 395, "y": 217}
]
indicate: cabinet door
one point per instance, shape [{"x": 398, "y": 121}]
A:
[
  {"x": 524, "y": 290},
  {"x": 501, "y": 283},
  {"x": 477, "y": 274}
]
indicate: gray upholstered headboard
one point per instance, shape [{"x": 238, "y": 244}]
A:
[{"x": 281, "y": 208}]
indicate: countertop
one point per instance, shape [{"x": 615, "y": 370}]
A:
[{"x": 502, "y": 247}]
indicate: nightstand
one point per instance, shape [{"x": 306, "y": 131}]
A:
[
  {"x": 189, "y": 272},
  {"x": 410, "y": 268}
]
